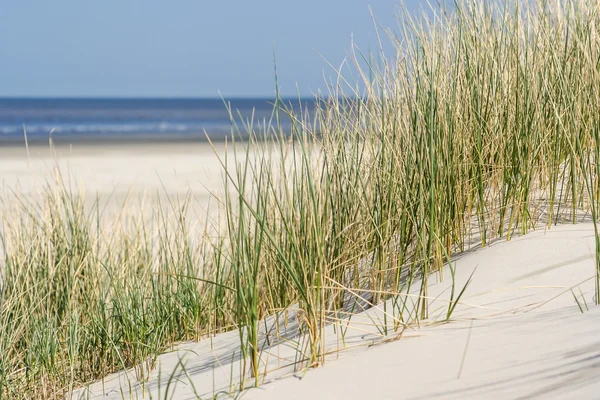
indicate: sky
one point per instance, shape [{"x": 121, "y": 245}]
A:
[{"x": 181, "y": 48}]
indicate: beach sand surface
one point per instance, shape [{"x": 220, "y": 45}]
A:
[
  {"x": 116, "y": 168},
  {"x": 518, "y": 332}
]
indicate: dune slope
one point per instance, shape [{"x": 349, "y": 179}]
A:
[{"x": 518, "y": 333}]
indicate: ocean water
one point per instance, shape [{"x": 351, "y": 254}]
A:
[{"x": 125, "y": 119}]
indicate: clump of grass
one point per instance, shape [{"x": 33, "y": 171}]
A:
[
  {"x": 483, "y": 125},
  {"x": 78, "y": 302}
]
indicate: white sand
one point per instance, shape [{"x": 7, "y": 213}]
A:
[
  {"x": 532, "y": 342},
  {"x": 117, "y": 168},
  {"x": 518, "y": 334}
]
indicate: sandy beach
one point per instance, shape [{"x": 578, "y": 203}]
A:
[
  {"x": 518, "y": 332},
  {"x": 116, "y": 168}
]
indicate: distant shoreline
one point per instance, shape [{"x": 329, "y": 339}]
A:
[
  {"x": 167, "y": 98},
  {"x": 99, "y": 139}
]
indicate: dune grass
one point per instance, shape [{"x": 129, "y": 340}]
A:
[{"x": 485, "y": 124}]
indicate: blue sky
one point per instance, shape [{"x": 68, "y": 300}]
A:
[{"x": 188, "y": 48}]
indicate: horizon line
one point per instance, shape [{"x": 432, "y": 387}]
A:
[{"x": 155, "y": 97}]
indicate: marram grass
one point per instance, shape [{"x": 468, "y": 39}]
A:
[{"x": 485, "y": 124}]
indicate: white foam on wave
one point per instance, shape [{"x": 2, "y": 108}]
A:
[{"x": 91, "y": 128}]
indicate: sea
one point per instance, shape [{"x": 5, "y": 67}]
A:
[{"x": 99, "y": 120}]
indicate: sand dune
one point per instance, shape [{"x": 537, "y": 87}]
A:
[
  {"x": 530, "y": 341},
  {"x": 518, "y": 332}
]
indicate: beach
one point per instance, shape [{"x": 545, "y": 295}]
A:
[
  {"x": 119, "y": 167},
  {"x": 427, "y": 226},
  {"x": 511, "y": 335}
]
